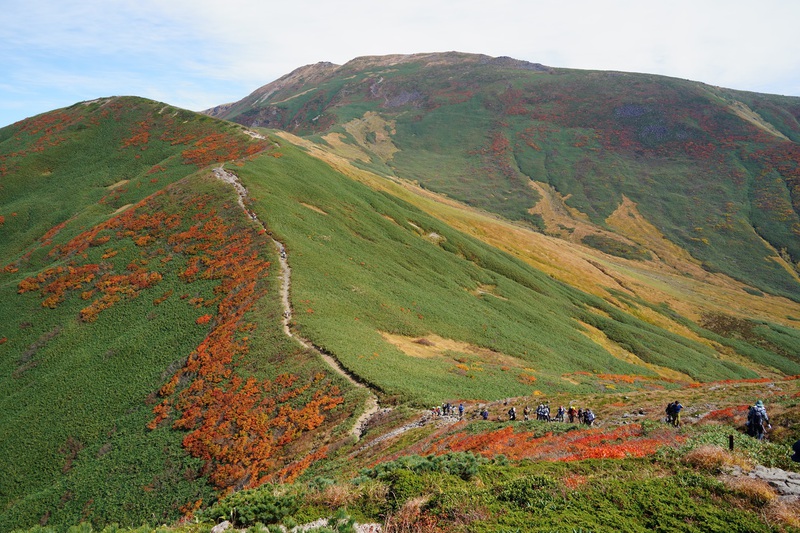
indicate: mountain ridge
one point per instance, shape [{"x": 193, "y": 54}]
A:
[
  {"x": 518, "y": 132},
  {"x": 145, "y": 365}
]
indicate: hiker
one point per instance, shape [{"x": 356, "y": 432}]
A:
[
  {"x": 460, "y": 410},
  {"x": 512, "y": 413},
  {"x": 676, "y": 413},
  {"x": 580, "y": 415},
  {"x": 756, "y": 419},
  {"x": 485, "y": 414},
  {"x": 588, "y": 417},
  {"x": 560, "y": 414},
  {"x": 571, "y": 412},
  {"x": 526, "y": 413}
]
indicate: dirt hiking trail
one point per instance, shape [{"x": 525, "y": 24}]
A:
[{"x": 285, "y": 276}]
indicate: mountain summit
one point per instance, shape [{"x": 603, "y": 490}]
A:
[{"x": 715, "y": 171}]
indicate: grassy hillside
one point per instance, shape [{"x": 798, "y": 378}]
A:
[
  {"x": 145, "y": 372},
  {"x": 714, "y": 170},
  {"x": 425, "y": 313},
  {"x": 143, "y": 368}
]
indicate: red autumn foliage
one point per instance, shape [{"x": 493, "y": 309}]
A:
[
  {"x": 592, "y": 443},
  {"x": 729, "y": 415},
  {"x": 245, "y": 430}
]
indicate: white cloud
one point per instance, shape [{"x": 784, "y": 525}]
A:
[{"x": 224, "y": 50}]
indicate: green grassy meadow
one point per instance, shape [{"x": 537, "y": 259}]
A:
[{"x": 364, "y": 263}]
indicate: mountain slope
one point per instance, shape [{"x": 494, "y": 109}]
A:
[
  {"x": 714, "y": 170},
  {"x": 143, "y": 367}
]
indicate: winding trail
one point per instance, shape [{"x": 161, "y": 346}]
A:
[{"x": 372, "y": 406}]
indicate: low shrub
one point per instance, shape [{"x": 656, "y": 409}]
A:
[
  {"x": 708, "y": 458},
  {"x": 784, "y": 512},
  {"x": 757, "y": 491},
  {"x": 248, "y": 507},
  {"x": 527, "y": 491}
]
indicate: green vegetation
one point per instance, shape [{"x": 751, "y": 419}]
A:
[
  {"x": 364, "y": 263},
  {"x": 145, "y": 375},
  {"x": 478, "y": 130},
  {"x": 103, "y": 310}
]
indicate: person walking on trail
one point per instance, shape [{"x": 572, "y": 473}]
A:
[
  {"x": 571, "y": 412},
  {"x": 526, "y": 413},
  {"x": 676, "y": 413},
  {"x": 512, "y": 413},
  {"x": 560, "y": 414},
  {"x": 757, "y": 419},
  {"x": 669, "y": 410},
  {"x": 460, "y": 410},
  {"x": 485, "y": 414},
  {"x": 588, "y": 417}
]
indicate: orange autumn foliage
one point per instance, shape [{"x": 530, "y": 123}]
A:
[{"x": 591, "y": 443}]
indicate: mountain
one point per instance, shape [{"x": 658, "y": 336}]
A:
[
  {"x": 571, "y": 153},
  {"x": 192, "y": 307}
]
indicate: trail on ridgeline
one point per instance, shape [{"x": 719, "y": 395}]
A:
[{"x": 372, "y": 406}]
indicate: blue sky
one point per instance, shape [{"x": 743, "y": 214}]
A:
[{"x": 199, "y": 53}]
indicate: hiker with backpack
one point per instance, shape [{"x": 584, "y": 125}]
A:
[
  {"x": 588, "y": 417},
  {"x": 571, "y": 414},
  {"x": 757, "y": 419},
  {"x": 676, "y": 413}
]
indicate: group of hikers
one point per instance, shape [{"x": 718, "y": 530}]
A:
[
  {"x": 756, "y": 425},
  {"x": 448, "y": 409},
  {"x": 583, "y": 416}
]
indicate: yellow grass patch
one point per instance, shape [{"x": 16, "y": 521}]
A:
[
  {"x": 343, "y": 149},
  {"x": 490, "y": 290},
  {"x": 628, "y": 221},
  {"x": 313, "y": 208},
  {"x": 560, "y": 220},
  {"x": 294, "y": 96},
  {"x": 120, "y": 183},
  {"x": 433, "y": 346},
  {"x": 121, "y": 209},
  {"x": 743, "y": 111},
  {"x": 374, "y": 133}
]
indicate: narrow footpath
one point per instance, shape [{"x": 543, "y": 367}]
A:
[{"x": 372, "y": 406}]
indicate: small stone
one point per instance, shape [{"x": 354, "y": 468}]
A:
[{"x": 222, "y": 526}]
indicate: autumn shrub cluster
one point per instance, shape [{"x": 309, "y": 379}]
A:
[{"x": 238, "y": 425}]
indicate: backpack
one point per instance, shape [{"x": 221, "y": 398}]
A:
[{"x": 755, "y": 418}]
